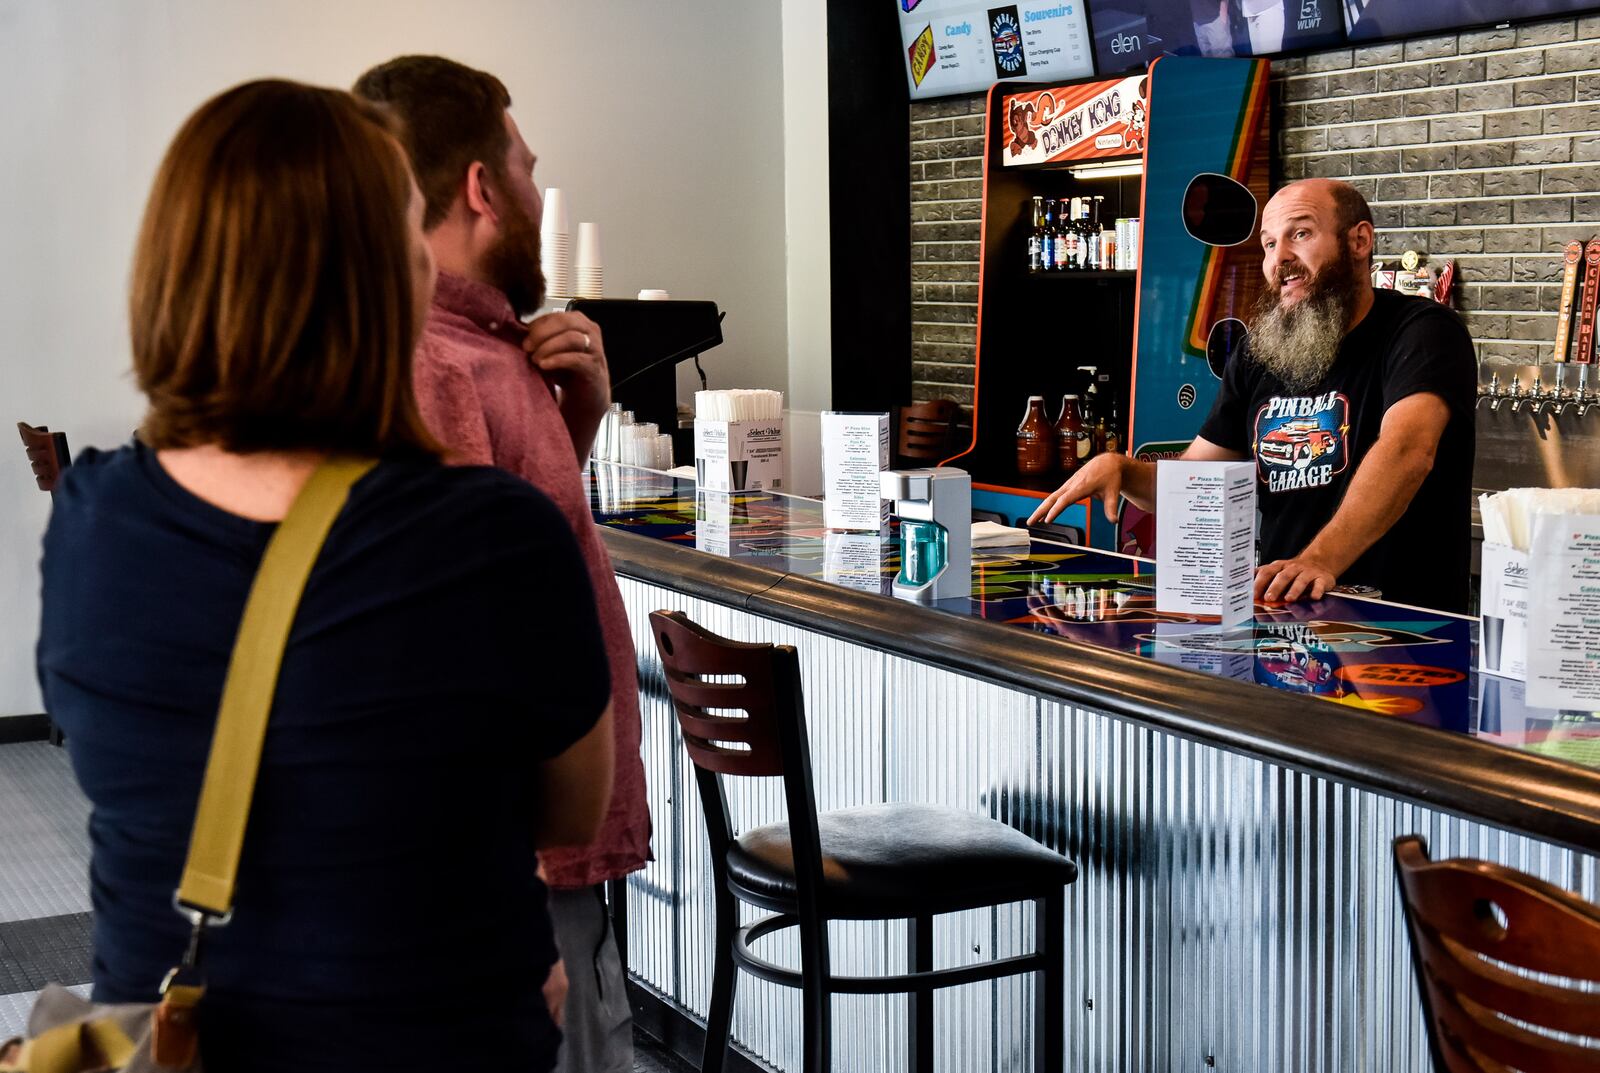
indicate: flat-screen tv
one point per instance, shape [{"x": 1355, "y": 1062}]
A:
[
  {"x": 1131, "y": 33},
  {"x": 956, "y": 46},
  {"x": 1370, "y": 20}
]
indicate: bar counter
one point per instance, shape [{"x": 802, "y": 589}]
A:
[{"x": 1229, "y": 794}]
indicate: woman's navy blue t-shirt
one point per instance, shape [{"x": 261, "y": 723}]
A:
[{"x": 388, "y": 914}]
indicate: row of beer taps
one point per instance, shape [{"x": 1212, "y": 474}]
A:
[{"x": 1556, "y": 400}]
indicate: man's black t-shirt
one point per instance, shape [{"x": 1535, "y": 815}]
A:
[
  {"x": 1308, "y": 444},
  {"x": 388, "y": 913}
]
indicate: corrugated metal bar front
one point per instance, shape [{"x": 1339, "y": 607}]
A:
[{"x": 1227, "y": 911}]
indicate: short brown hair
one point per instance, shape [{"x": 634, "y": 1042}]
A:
[
  {"x": 272, "y": 304},
  {"x": 1349, "y": 206},
  {"x": 451, "y": 115}
]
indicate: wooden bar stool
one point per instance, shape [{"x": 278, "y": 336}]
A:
[
  {"x": 1476, "y": 927},
  {"x": 926, "y": 432},
  {"x": 47, "y": 453},
  {"x": 878, "y": 862}
]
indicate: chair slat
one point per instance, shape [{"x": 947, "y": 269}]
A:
[
  {"x": 47, "y": 453},
  {"x": 926, "y": 430}
]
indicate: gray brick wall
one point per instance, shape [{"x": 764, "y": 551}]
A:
[
  {"x": 946, "y": 190},
  {"x": 1481, "y": 147}
]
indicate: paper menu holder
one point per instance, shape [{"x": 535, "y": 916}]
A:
[
  {"x": 853, "y": 559},
  {"x": 855, "y": 450},
  {"x": 1563, "y": 635},
  {"x": 1205, "y": 539}
]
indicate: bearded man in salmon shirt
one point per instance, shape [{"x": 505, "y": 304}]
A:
[{"x": 528, "y": 399}]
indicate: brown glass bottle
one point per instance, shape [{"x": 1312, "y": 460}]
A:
[
  {"x": 1069, "y": 426},
  {"x": 1035, "y": 440}
]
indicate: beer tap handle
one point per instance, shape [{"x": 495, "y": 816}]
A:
[{"x": 1540, "y": 400}]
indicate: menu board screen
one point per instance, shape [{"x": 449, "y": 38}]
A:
[
  {"x": 1369, "y": 20},
  {"x": 955, "y": 46},
  {"x": 1129, "y": 34}
]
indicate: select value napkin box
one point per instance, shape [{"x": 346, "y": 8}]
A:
[
  {"x": 739, "y": 456},
  {"x": 1503, "y": 625},
  {"x": 713, "y": 522},
  {"x": 855, "y": 450},
  {"x": 1206, "y": 539}
]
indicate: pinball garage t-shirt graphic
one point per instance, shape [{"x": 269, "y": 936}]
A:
[{"x": 1302, "y": 441}]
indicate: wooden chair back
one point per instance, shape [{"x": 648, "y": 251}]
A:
[
  {"x": 47, "y": 453},
  {"x": 926, "y": 431},
  {"x": 1477, "y": 930},
  {"x": 746, "y": 741},
  {"x": 768, "y": 739}
]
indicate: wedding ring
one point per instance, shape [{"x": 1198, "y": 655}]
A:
[{"x": 586, "y": 342}]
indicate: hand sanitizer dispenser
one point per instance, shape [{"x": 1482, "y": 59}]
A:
[{"x": 935, "y": 511}]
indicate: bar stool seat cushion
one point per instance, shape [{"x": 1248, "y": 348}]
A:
[{"x": 892, "y": 861}]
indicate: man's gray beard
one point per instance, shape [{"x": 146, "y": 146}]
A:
[{"x": 1298, "y": 344}]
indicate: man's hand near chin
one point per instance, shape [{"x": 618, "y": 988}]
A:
[
  {"x": 568, "y": 349},
  {"x": 1289, "y": 580}
]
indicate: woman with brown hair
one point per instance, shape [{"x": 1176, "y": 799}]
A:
[{"x": 442, "y": 707}]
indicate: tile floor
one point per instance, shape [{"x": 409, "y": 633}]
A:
[{"x": 44, "y": 897}]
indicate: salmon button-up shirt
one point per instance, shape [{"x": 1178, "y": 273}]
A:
[{"x": 488, "y": 405}]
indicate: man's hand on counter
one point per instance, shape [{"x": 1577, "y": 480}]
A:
[
  {"x": 1106, "y": 477},
  {"x": 1289, "y": 580},
  {"x": 568, "y": 349}
]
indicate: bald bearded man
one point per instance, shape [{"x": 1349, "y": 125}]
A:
[{"x": 1357, "y": 406}]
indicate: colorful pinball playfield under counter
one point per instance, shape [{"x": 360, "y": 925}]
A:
[
  {"x": 1229, "y": 795},
  {"x": 1391, "y": 664}
]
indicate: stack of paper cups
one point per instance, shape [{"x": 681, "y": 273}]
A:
[
  {"x": 555, "y": 247},
  {"x": 591, "y": 270}
]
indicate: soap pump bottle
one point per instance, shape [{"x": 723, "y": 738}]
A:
[{"x": 935, "y": 511}]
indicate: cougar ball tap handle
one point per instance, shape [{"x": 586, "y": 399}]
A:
[{"x": 1591, "y": 292}]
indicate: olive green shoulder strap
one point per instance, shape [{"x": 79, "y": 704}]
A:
[{"x": 230, "y": 779}]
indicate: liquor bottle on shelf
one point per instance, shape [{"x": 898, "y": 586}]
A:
[
  {"x": 1085, "y": 237},
  {"x": 1035, "y": 440},
  {"x": 1069, "y": 427},
  {"x": 1089, "y": 444},
  {"x": 1047, "y": 237},
  {"x": 1036, "y": 236},
  {"x": 1095, "y": 260},
  {"x": 1064, "y": 237},
  {"x": 1113, "y": 435}
]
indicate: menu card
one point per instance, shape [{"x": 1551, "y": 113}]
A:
[
  {"x": 854, "y": 560},
  {"x": 1564, "y": 612},
  {"x": 855, "y": 449},
  {"x": 1206, "y": 538}
]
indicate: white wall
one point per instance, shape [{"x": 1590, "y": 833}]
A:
[
  {"x": 663, "y": 121},
  {"x": 805, "y": 152}
]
